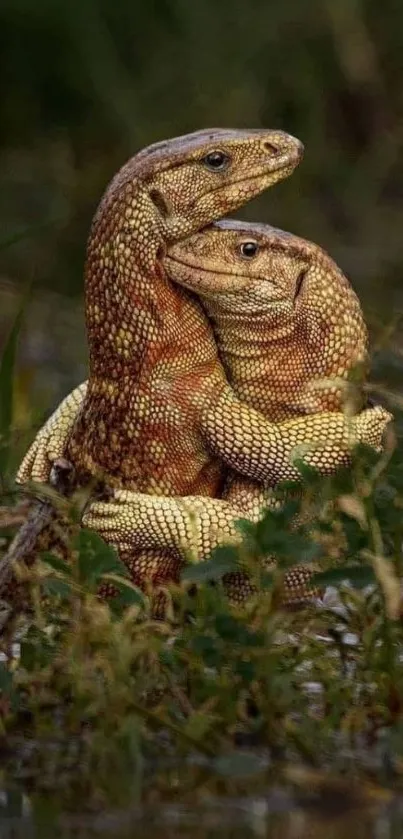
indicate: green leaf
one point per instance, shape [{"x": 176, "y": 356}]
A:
[
  {"x": 227, "y": 627},
  {"x": 266, "y": 580},
  {"x": 357, "y": 538},
  {"x": 230, "y": 628},
  {"x": 275, "y": 537},
  {"x": 358, "y": 575},
  {"x": 61, "y": 588},
  {"x": 238, "y": 764},
  {"x": 11, "y": 804},
  {"x": 6, "y": 680},
  {"x": 56, "y": 563},
  {"x": 246, "y": 670},
  {"x": 308, "y": 473},
  {"x": 205, "y": 647},
  {"x": 36, "y": 651},
  {"x": 96, "y": 558},
  {"x": 223, "y": 561},
  {"x": 7, "y": 687},
  {"x": 7, "y": 370},
  {"x": 198, "y": 725},
  {"x": 245, "y": 526},
  {"x": 128, "y": 595}
]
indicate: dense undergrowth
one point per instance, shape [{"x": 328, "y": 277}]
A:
[{"x": 106, "y": 705}]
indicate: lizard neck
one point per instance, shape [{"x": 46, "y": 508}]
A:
[
  {"x": 122, "y": 282},
  {"x": 277, "y": 362},
  {"x": 139, "y": 329}
]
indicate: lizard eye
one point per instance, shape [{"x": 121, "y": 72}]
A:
[
  {"x": 249, "y": 249},
  {"x": 216, "y": 160}
]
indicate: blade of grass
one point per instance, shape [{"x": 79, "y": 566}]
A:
[
  {"x": 7, "y": 372},
  {"x": 26, "y": 232}
]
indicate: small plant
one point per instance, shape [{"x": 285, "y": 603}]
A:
[{"x": 105, "y": 705}]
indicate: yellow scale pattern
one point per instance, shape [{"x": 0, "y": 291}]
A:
[
  {"x": 157, "y": 414},
  {"x": 288, "y": 325}
]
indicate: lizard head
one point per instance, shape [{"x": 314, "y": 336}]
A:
[
  {"x": 241, "y": 269},
  {"x": 195, "y": 179},
  {"x": 262, "y": 287}
]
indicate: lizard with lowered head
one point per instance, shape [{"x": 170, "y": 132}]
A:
[
  {"x": 289, "y": 330},
  {"x": 284, "y": 318}
]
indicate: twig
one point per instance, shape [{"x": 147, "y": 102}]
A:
[{"x": 39, "y": 516}]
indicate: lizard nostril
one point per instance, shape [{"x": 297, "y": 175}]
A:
[{"x": 271, "y": 148}]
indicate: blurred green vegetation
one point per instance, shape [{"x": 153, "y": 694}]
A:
[
  {"x": 110, "y": 708},
  {"x": 85, "y": 84}
]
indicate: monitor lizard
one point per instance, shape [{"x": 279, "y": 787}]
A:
[
  {"x": 314, "y": 329},
  {"x": 289, "y": 330}
]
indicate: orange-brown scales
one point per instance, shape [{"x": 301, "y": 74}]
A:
[
  {"x": 284, "y": 317},
  {"x": 288, "y": 326},
  {"x": 145, "y": 335}
]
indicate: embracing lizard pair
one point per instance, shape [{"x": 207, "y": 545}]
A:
[{"x": 158, "y": 415}]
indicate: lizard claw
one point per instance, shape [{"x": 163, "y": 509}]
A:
[
  {"x": 111, "y": 519},
  {"x": 372, "y": 425},
  {"x": 50, "y": 442},
  {"x": 37, "y": 463}
]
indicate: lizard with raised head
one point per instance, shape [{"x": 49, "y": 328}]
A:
[
  {"x": 140, "y": 328},
  {"x": 284, "y": 317}
]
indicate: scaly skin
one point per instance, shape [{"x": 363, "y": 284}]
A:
[
  {"x": 140, "y": 327},
  {"x": 291, "y": 340},
  {"x": 286, "y": 320},
  {"x": 151, "y": 346}
]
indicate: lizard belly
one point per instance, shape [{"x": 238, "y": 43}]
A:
[{"x": 159, "y": 450}]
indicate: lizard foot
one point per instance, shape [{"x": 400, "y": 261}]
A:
[
  {"x": 50, "y": 442},
  {"x": 372, "y": 425}
]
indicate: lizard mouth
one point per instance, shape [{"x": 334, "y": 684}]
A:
[
  {"x": 284, "y": 164},
  {"x": 204, "y": 278}
]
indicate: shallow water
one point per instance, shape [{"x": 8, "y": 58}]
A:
[{"x": 276, "y": 815}]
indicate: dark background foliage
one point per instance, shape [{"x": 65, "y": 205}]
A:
[{"x": 84, "y": 84}]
